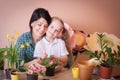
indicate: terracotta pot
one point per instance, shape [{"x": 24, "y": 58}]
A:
[
  {"x": 15, "y": 76},
  {"x": 85, "y": 70},
  {"x": 105, "y": 72},
  {"x": 32, "y": 77}
]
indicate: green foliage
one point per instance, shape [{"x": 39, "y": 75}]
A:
[
  {"x": 10, "y": 54},
  {"x": 107, "y": 56},
  {"x": 11, "y": 51},
  {"x": 50, "y": 62}
]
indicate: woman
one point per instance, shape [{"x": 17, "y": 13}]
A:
[{"x": 38, "y": 24}]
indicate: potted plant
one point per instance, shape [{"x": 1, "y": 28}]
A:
[
  {"x": 50, "y": 63},
  {"x": 10, "y": 52},
  {"x": 105, "y": 48},
  {"x": 33, "y": 72}
]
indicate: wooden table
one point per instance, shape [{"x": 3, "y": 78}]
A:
[{"x": 63, "y": 75}]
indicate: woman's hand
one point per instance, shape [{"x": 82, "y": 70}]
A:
[
  {"x": 35, "y": 62},
  {"x": 35, "y": 66}
]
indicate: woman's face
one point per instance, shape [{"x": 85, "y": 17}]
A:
[{"x": 39, "y": 27}]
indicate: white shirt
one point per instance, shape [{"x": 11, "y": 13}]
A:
[{"x": 56, "y": 48}]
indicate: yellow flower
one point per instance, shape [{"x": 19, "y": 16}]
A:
[
  {"x": 16, "y": 32},
  {"x": 8, "y": 36},
  {"x": 27, "y": 44},
  {"x": 22, "y": 46}
]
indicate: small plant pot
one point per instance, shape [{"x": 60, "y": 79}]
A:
[
  {"x": 105, "y": 72},
  {"x": 50, "y": 71},
  {"x": 32, "y": 77},
  {"x": 15, "y": 76}
]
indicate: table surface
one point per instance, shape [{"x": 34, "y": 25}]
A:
[{"x": 63, "y": 75}]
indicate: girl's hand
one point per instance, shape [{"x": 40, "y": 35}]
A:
[{"x": 58, "y": 68}]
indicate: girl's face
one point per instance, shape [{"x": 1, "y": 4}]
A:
[
  {"x": 54, "y": 29},
  {"x": 39, "y": 27}
]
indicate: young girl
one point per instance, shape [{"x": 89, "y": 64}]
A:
[{"x": 51, "y": 45}]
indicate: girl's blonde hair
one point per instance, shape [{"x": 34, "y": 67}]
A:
[{"x": 58, "y": 19}]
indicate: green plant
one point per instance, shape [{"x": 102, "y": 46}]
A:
[
  {"x": 50, "y": 62},
  {"x": 10, "y": 52},
  {"x": 105, "y": 48}
]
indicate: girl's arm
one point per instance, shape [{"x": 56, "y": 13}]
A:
[{"x": 63, "y": 60}]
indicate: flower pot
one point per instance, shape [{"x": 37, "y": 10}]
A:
[
  {"x": 50, "y": 71},
  {"x": 7, "y": 73},
  {"x": 15, "y": 76},
  {"x": 75, "y": 72},
  {"x": 105, "y": 72},
  {"x": 32, "y": 77},
  {"x": 85, "y": 70}
]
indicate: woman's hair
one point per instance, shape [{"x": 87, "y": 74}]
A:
[{"x": 39, "y": 13}]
